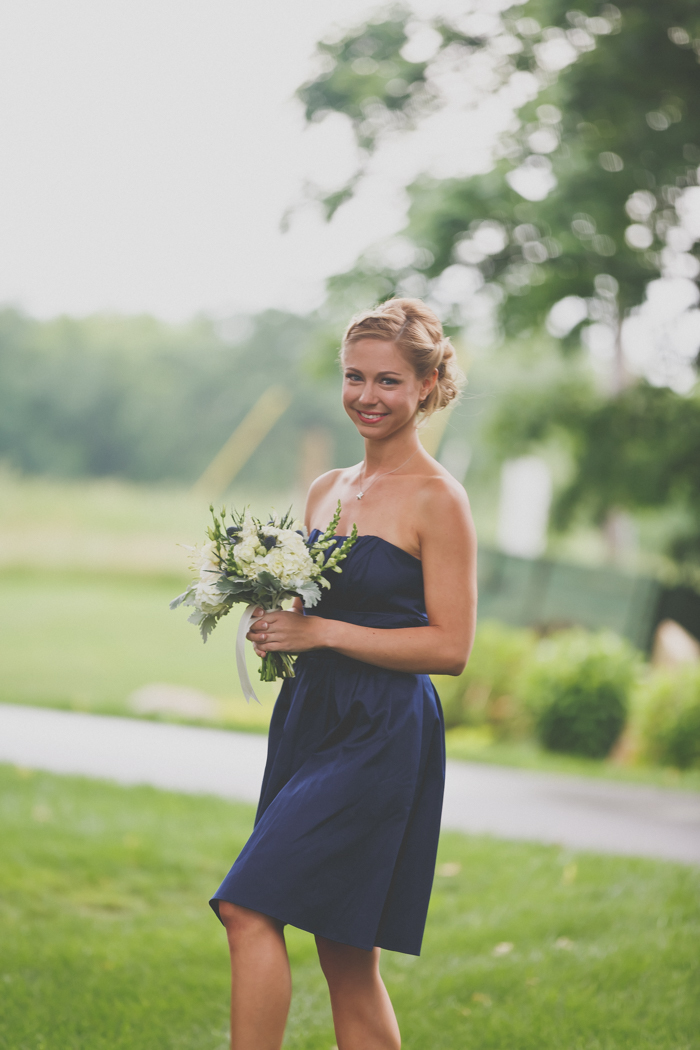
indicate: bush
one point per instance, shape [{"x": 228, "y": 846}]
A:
[
  {"x": 486, "y": 692},
  {"x": 671, "y": 718},
  {"x": 577, "y": 689}
]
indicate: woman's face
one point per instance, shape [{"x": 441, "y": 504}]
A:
[{"x": 381, "y": 392}]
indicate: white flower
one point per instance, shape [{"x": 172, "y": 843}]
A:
[
  {"x": 205, "y": 562},
  {"x": 207, "y": 598},
  {"x": 288, "y": 561}
]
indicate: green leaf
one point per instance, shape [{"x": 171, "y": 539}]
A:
[{"x": 182, "y": 598}]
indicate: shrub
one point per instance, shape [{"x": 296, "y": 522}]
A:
[
  {"x": 670, "y": 721},
  {"x": 486, "y": 693},
  {"x": 577, "y": 689}
]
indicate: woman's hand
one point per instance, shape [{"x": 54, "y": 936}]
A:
[{"x": 285, "y": 631}]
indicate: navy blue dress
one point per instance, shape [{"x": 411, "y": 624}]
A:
[{"x": 347, "y": 827}]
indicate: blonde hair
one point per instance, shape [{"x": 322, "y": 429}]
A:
[{"x": 418, "y": 333}]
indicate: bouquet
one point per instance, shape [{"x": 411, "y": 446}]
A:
[{"x": 261, "y": 565}]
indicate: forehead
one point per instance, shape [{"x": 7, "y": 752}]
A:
[{"x": 375, "y": 355}]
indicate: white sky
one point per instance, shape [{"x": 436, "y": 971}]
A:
[{"x": 151, "y": 147}]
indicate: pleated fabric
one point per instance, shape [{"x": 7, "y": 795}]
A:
[{"x": 347, "y": 826}]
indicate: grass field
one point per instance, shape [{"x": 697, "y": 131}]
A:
[
  {"x": 108, "y": 942},
  {"x": 104, "y": 524},
  {"x": 86, "y": 573},
  {"x": 86, "y": 641},
  {"x": 469, "y": 745}
]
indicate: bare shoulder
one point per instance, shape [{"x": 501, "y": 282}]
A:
[
  {"x": 443, "y": 508},
  {"x": 319, "y": 489},
  {"x": 324, "y": 482}
]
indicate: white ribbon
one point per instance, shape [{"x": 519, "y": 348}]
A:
[{"x": 246, "y": 684}]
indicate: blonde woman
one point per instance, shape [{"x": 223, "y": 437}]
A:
[{"x": 347, "y": 826}]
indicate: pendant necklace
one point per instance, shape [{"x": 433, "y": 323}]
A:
[{"x": 362, "y": 491}]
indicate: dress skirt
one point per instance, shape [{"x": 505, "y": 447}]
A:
[{"x": 347, "y": 827}]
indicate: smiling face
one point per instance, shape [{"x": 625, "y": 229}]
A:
[{"x": 381, "y": 392}]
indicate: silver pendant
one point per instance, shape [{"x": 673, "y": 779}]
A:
[{"x": 359, "y": 495}]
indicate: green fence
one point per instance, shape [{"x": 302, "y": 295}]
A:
[{"x": 549, "y": 595}]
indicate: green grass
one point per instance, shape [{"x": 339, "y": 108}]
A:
[
  {"x": 108, "y": 942},
  {"x": 473, "y": 746},
  {"x": 86, "y": 642},
  {"x": 86, "y": 572},
  {"x": 107, "y": 524}
]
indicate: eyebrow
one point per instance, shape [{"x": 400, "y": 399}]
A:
[{"x": 389, "y": 372}]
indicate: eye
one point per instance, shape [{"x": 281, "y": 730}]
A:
[
  {"x": 390, "y": 381},
  {"x": 353, "y": 377}
]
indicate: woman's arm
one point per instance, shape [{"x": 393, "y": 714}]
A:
[{"x": 448, "y": 554}]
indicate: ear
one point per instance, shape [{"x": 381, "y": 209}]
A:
[{"x": 428, "y": 384}]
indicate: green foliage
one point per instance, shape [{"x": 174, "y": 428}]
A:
[
  {"x": 639, "y": 449},
  {"x": 478, "y": 745},
  {"x": 139, "y": 399},
  {"x": 108, "y": 942},
  {"x": 671, "y": 718},
  {"x": 617, "y": 131},
  {"x": 486, "y": 693},
  {"x": 621, "y": 120},
  {"x": 578, "y": 690}
]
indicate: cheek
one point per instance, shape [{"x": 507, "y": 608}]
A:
[{"x": 406, "y": 396}]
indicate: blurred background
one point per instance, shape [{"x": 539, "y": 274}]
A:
[
  {"x": 195, "y": 198},
  {"x": 196, "y": 201}
]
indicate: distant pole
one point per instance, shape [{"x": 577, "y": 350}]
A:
[{"x": 246, "y": 438}]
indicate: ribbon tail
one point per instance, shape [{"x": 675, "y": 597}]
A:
[{"x": 245, "y": 622}]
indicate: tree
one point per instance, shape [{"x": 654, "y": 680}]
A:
[
  {"x": 592, "y": 197},
  {"x": 636, "y": 450},
  {"x": 137, "y": 398},
  {"x": 586, "y": 203}
]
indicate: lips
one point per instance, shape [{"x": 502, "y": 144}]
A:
[{"x": 371, "y": 417}]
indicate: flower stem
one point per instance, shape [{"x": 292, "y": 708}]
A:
[{"x": 276, "y": 665}]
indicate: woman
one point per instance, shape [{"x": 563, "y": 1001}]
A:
[{"x": 347, "y": 827}]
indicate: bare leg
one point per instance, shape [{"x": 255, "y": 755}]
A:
[
  {"x": 363, "y": 1016},
  {"x": 261, "y": 985}
]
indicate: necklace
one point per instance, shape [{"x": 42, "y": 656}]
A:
[{"x": 362, "y": 491}]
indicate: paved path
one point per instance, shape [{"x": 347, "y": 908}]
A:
[{"x": 510, "y": 803}]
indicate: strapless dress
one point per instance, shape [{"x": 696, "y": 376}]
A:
[{"x": 347, "y": 826}]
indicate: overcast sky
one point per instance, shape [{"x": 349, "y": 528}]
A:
[{"x": 151, "y": 147}]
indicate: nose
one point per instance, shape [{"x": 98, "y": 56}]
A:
[{"x": 367, "y": 395}]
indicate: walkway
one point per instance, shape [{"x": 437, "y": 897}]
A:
[{"x": 574, "y": 812}]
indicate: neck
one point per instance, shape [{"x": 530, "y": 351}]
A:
[{"x": 390, "y": 452}]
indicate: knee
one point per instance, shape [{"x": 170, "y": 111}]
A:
[
  {"x": 342, "y": 964},
  {"x": 242, "y": 924}
]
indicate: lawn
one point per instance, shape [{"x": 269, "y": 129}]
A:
[
  {"x": 470, "y": 745},
  {"x": 108, "y": 942},
  {"x": 86, "y": 641},
  {"x": 87, "y": 569}
]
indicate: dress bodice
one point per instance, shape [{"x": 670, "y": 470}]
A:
[{"x": 381, "y": 585}]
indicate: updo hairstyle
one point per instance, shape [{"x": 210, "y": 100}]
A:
[{"x": 417, "y": 332}]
